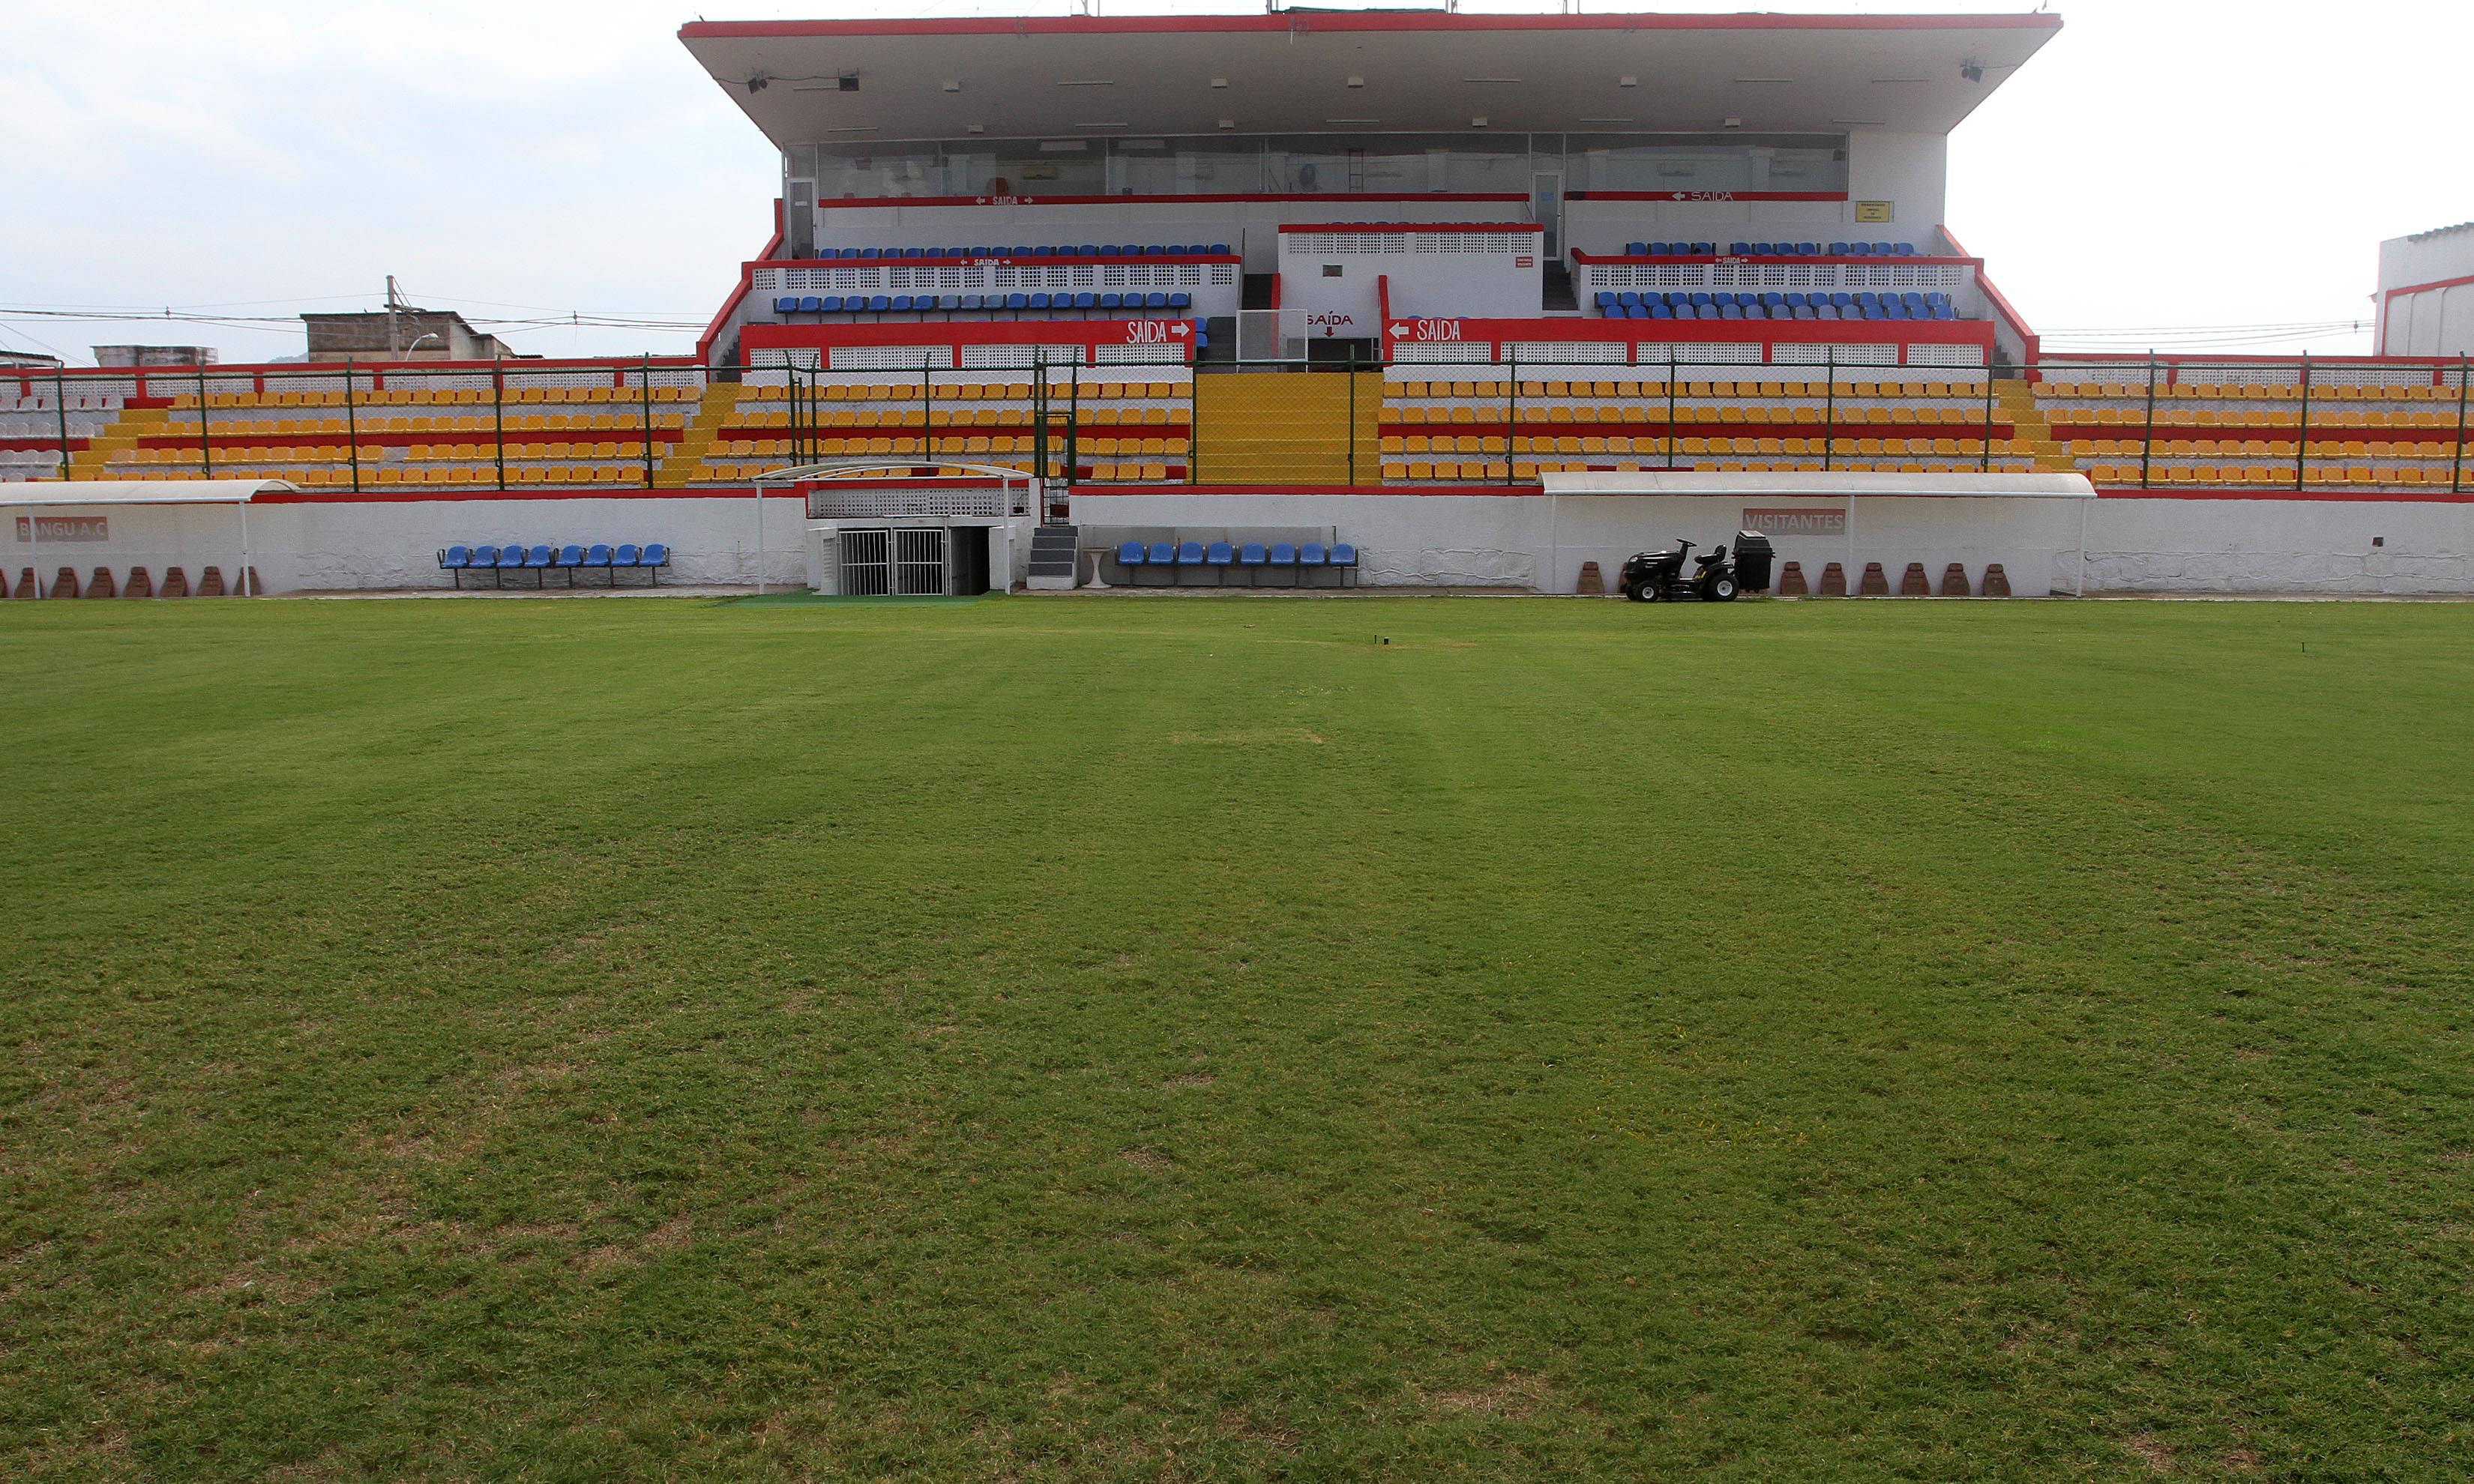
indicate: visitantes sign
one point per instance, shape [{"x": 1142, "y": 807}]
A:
[
  {"x": 64, "y": 528},
  {"x": 1795, "y": 522}
]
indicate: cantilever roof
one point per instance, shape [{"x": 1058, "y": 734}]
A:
[
  {"x": 1414, "y": 71},
  {"x": 52, "y": 492}
]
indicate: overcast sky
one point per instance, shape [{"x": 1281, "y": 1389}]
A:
[{"x": 2162, "y": 164}]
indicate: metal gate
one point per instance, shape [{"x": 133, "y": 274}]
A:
[
  {"x": 867, "y": 570},
  {"x": 919, "y": 563}
]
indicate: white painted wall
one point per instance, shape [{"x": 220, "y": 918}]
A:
[
  {"x": 2438, "y": 322},
  {"x": 1483, "y": 285},
  {"x": 1251, "y": 228},
  {"x": 1911, "y": 172},
  {"x": 1421, "y": 538}
]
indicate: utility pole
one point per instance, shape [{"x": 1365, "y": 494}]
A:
[{"x": 394, "y": 352}]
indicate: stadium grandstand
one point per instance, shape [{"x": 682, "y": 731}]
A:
[{"x": 1321, "y": 251}]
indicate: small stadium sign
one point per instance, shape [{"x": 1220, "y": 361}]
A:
[{"x": 1795, "y": 522}]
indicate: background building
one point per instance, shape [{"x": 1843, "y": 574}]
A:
[{"x": 2426, "y": 297}]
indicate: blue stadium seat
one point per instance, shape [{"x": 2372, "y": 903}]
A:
[
  {"x": 1860, "y": 250},
  {"x": 1804, "y": 312},
  {"x": 1017, "y": 301},
  {"x": 1220, "y": 250},
  {"x": 1904, "y": 250},
  {"x": 1730, "y": 312},
  {"x": 879, "y": 304},
  {"x": 1606, "y": 300},
  {"x": 482, "y": 558},
  {"x": 1162, "y": 554},
  {"x": 511, "y": 558},
  {"x": 1838, "y": 249},
  {"x": 1344, "y": 556},
  {"x": 787, "y": 305},
  {"x": 1824, "y": 311},
  {"x": 567, "y": 559},
  {"x": 1312, "y": 554},
  {"x": 1154, "y": 301},
  {"x": 1112, "y": 250},
  {"x": 949, "y": 302},
  {"x": 1702, "y": 301},
  {"x": 867, "y": 253},
  {"x": 972, "y": 301},
  {"x": 1221, "y": 554},
  {"x": 1250, "y": 556},
  {"x": 1662, "y": 250},
  {"x": 1660, "y": 312},
  {"x": 1635, "y": 250},
  {"x": 1740, "y": 250},
  {"x": 901, "y": 303},
  {"x": 1112, "y": 300},
  {"x": 1190, "y": 554},
  {"x": 1088, "y": 249},
  {"x": 625, "y": 556},
  {"x": 810, "y": 305},
  {"x": 596, "y": 556},
  {"x": 455, "y": 559},
  {"x": 1181, "y": 301},
  {"x": 1885, "y": 249},
  {"x": 655, "y": 557},
  {"x": 1131, "y": 554},
  {"x": 1285, "y": 556},
  {"x": 1766, "y": 249},
  {"x": 1086, "y": 300}
]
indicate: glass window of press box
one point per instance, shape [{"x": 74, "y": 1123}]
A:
[{"x": 1321, "y": 164}]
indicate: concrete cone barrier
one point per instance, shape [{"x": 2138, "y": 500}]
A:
[
  {"x": 139, "y": 584},
  {"x": 1997, "y": 582},
  {"x": 175, "y": 582},
  {"x": 210, "y": 583},
  {"x": 65, "y": 585},
  {"x": 100, "y": 586},
  {"x": 25, "y": 584},
  {"x": 1791, "y": 582},
  {"x": 1876, "y": 583},
  {"x": 1594, "y": 583},
  {"x": 1833, "y": 582},
  {"x": 1953, "y": 582},
  {"x": 1915, "y": 585}
]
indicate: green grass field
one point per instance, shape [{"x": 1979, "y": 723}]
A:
[{"x": 1190, "y": 1040}]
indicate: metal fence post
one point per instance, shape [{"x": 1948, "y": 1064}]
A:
[
  {"x": 1670, "y": 405},
  {"x": 2456, "y": 453},
  {"x": 2302, "y": 431},
  {"x": 1511, "y": 409},
  {"x": 1073, "y": 439},
  {"x": 2148, "y": 430},
  {"x": 1830, "y": 408},
  {"x": 1352, "y": 374},
  {"x": 498, "y": 414},
  {"x": 1192, "y": 420},
  {"x": 1986, "y": 466},
  {"x": 205, "y": 429},
  {"x": 352, "y": 427},
  {"x": 928, "y": 406},
  {"x": 60, "y": 406},
  {"x": 644, "y": 386}
]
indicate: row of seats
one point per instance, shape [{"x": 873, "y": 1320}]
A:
[
  {"x": 1770, "y": 249},
  {"x": 441, "y": 396},
  {"x": 2272, "y": 477},
  {"x": 830, "y": 447},
  {"x": 2247, "y": 391},
  {"x": 1526, "y": 470},
  {"x": 910, "y": 393},
  {"x": 137, "y": 585},
  {"x": 2264, "y": 448},
  {"x": 1655, "y": 413},
  {"x": 498, "y": 561},
  {"x": 1861, "y": 390},
  {"x": 1084, "y": 250},
  {"x": 417, "y": 453},
  {"x": 1176, "y": 303},
  {"x": 1225, "y": 557},
  {"x": 331, "y": 476},
  {"x": 2186, "y": 417},
  {"x": 1720, "y": 444},
  {"x": 1060, "y": 413},
  {"x": 1630, "y": 305},
  {"x": 529, "y": 424}
]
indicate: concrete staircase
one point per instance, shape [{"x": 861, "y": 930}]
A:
[
  {"x": 2028, "y": 421},
  {"x": 1053, "y": 555},
  {"x": 679, "y": 465},
  {"x": 121, "y": 433},
  {"x": 1285, "y": 429}
]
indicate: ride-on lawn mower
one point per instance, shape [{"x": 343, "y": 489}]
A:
[{"x": 1657, "y": 576}]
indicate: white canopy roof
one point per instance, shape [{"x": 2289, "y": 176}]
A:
[{"x": 140, "y": 492}]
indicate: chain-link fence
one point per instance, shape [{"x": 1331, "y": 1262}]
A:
[
  {"x": 2225, "y": 423},
  {"x": 2242, "y": 423}
]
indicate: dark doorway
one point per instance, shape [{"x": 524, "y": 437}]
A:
[
  {"x": 970, "y": 550},
  {"x": 1337, "y": 352}
]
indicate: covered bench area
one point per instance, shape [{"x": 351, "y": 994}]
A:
[{"x": 102, "y": 496}]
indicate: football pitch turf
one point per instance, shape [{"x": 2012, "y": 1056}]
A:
[{"x": 1049, "y": 1039}]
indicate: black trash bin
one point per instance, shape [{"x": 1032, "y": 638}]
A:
[{"x": 1754, "y": 555}]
